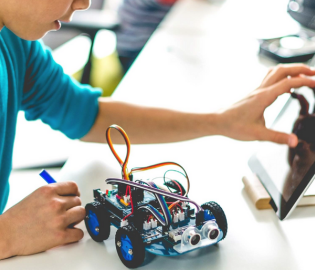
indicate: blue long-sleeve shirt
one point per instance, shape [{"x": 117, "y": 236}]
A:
[{"x": 31, "y": 81}]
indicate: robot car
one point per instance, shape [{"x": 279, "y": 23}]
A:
[{"x": 152, "y": 217}]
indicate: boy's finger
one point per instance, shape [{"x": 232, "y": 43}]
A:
[
  {"x": 75, "y": 215},
  {"x": 283, "y": 71},
  {"x": 265, "y": 82},
  {"x": 71, "y": 201},
  {"x": 73, "y": 235},
  {"x": 285, "y": 85},
  {"x": 279, "y": 137},
  {"x": 67, "y": 188}
]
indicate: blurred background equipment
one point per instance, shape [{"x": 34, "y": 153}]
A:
[
  {"x": 299, "y": 47},
  {"x": 290, "y": 49},
  {"x": 303, "y": 11}
]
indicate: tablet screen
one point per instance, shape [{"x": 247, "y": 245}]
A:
[{"x": 287, "y": 172}]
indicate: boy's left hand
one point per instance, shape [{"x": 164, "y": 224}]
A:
[{"x": 43, "y": 220}]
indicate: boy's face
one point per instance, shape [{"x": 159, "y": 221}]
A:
[{"x": 32, "y": 19}]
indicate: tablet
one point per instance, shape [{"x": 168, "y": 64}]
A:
[{"x": 286, "y": 173}]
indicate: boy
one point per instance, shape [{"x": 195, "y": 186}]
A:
[{"x": 31, "y": 81}]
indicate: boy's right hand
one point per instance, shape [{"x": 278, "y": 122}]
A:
[
  {"x": 43, "y": 220},
  {"x": 245, "y": 119}
]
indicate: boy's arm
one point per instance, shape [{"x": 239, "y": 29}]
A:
[
  {"x": 5, "y": 245},
  {"x": 243, "y": 120},
  {"x": 150, "y": 125}
]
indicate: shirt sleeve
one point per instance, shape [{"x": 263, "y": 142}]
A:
[{"x": 54, "y": 97}]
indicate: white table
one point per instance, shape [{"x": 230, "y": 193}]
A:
[{"x": 191, "y": 63}]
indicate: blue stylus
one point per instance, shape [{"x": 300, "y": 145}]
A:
[{"x": 47, "y": 177}]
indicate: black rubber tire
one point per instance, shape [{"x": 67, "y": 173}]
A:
[
  {"x": 103, "y": 219},
  {"x": 219, "y": 215},
  {"x": 138, "y": 247}
]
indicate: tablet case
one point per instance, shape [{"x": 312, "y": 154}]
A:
[{"x": 260, "y": 197}]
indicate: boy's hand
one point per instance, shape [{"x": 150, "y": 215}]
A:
[
  {"x": 43, "y": 220},
  {"x": 245, "y": 119}
]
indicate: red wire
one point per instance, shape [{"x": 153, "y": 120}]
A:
[
  {"x": 130, "y": 203},
  {"x": 176, "y": 205},
  {"x": 181, "y": 191}
]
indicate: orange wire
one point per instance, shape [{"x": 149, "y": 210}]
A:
[
  {"x": 125, "y": 174},
  {"x": 153, "y": 167},
  {"x": 160, "y": 165}
]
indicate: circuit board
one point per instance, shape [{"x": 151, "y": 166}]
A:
[
  {"x": 156, "y": 241},
  {"x": 114, "y": 204}
]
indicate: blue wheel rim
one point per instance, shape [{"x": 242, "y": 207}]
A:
[
  {"x": 93, "y": 222},
  {"x": 125, "y": 246},
  {"x": 208, "y": 215}
]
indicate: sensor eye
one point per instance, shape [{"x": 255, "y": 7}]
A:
[
  {"x": 192, "y": 236},
  {"x": 210, "y": 230},
  {"x": 194, "y": 240},
  {"x": 213, "y": 234}
]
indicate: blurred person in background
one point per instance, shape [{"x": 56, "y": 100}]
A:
[{"x": 139, "y": 19}]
